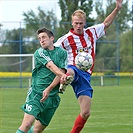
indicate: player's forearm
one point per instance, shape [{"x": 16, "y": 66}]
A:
[
  {"x": 108, "y": 21},
  {"x": 57, "y": 71},
  {"x": 50, "y": 65},
  {"x": 55, "y": 82}
]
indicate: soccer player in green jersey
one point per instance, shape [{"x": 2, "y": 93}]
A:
[{"x": 42, "y": 98}]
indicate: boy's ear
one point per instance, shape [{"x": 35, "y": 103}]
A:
[{"x": 52, "y": 38}]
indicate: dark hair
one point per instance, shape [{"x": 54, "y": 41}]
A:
[{"x": 49, "y": 33}]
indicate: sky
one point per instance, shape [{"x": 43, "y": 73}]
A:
[{"x": 11, "y": 10}]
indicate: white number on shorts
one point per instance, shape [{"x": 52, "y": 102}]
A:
[{"x": 28, "y": 107}]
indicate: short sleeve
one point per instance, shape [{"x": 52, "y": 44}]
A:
[{"x": 41, "y": 57}]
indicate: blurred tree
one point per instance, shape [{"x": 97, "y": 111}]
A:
[
  {"x": 13, "y": 40},
  {"x": 120, "y": 25},
  {"x": 106, "y": 57},
  {"x": 13, "y": 44},
  {"x": 26, "y": 37},
  {"x": 126, "y": 47},
  {"x": 35, "y": 21},
  {"x": 16, "y": 42},
  {"x": 68, "y": 7}
]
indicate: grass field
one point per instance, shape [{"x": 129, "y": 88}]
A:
[{"x": 111, "y": 112}]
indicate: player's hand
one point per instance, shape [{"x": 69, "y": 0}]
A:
[
  {"x": 63, "y": 79},
  {"x": 119, "y": 4},
  {"x": 45, "y": 94}
]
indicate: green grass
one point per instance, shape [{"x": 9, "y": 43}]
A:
[{"x": 111, "y": 110}]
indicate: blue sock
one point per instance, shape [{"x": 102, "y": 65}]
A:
[
  {"x": 31, "y": 130},
  {"x": 19, "y": 131}
]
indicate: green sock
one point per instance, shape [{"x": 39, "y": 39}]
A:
[
  {"x": 19, "y": 131},
  {"x": 31, "y": 130}
]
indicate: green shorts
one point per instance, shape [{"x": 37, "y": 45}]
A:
[{"x": 42, "y": 111}]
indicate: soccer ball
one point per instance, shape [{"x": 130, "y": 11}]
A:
[{"x": 83, "y": 61}]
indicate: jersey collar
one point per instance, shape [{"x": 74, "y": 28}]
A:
[{"x": 72, "y": 31}]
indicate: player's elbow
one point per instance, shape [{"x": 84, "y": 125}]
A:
[
  {"x": 107, "y": 23},
  {"x": 49, "y": 64}
]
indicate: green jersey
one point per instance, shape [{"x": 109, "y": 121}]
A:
[{"x": 42, "y": 77}]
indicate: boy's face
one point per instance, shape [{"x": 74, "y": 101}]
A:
[
  {"x": 78, "y": 24},
  {"x": 45, "y": 41}
]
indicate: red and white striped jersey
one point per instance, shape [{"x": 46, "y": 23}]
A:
[{"x": 74, "y": 43}]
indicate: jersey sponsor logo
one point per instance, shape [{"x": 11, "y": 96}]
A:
[{"x": 83, "y": 49}]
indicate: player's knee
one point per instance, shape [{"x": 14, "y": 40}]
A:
[
  {"x": 26, "y": 125},
  {"x": 86, "y": 114},
  {"x": 70, "y": 71},
  {"x": 38, "y": 130}
]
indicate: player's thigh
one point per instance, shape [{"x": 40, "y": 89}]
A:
[
  {"x": 38, "y": 127},
  {"x": 85, "y": 103},
  {"x": 70, "y": 71}
]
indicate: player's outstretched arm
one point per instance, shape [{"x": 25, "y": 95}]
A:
[{"x": 109, "y": 19}]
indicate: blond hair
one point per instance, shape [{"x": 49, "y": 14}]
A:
[{"x": 79, "y": 13}]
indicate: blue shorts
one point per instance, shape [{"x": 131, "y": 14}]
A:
[{"x": 81, "y": 83}]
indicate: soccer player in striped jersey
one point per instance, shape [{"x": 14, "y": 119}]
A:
[
  {"x": 43, "y": 96},
  {"x": 79, "y": 39}
]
